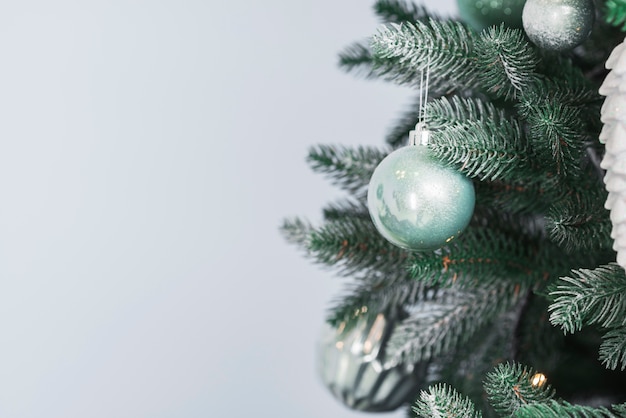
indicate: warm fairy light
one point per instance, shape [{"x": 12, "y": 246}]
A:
[{"x": 538, "y": 380}]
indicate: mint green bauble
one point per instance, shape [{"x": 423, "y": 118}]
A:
[
  {"x": 418, "y": 203},
  {"x": 481, "y": 14}
]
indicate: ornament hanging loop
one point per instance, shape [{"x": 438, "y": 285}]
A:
[{"x": 421, "y": 134}]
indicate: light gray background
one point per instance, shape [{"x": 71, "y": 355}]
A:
[{"x": 149, "y": 150}]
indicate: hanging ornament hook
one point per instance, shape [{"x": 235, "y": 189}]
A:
[{"x": 420, "y": 135}]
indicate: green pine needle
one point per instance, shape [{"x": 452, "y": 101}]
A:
[
  {"x": 345, "y": 209},
  {"x": 296, "y": 231},
  {"x": 508, "y": 61},
  {"x": 557, "y": 131},
  {"x": 445, "y": 110},
  {"x": 398, "y": 11},
  {"x": 402, "y": 52},
  {"x": 379, "y": 294},
  {"x": 354, "y": 245},
  {"x": 616, "y": 13},
  {"x": 357, "y": 59},
  {"x": 581, "y": 222},
  {"x": 613, "y": 349},
  {"x": 451, "y": 318},
  {"x": 483, "y": 256},
  {"x": 442, "y": 401},
  {"x": 620, "y": 409},
  {"x": 590, "y": 297},
  {"x": 555, "y": 409},
  {"x": 509, "y": 388},
  {"x": 348, "y": 168},
  {"x": 482, "y": 141}
]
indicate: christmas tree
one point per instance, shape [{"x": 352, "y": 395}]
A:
[{"x": 524, "y": 312}]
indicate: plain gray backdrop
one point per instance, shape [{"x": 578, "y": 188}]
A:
[{"x": 149, "y": 151}]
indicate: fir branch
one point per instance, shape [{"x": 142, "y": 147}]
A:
[
  {"x": 569, "y": 87},
  {"x": 472, "y": 134},
  {"x": 357, "y": 59},
  {"x": 402, "y": 52},
  {"x": 345, "y": 209},
  {"x": 507, "y": 59},
  {"x": 572, "y": 97},
  {"x": 353, "y": 245},
  {"x": 531, "y": 226},
  {"x": 351, "y": 306},
  {"x": 484, "y": 255},
  {"x": 347, "y": 168},
  {"x": 616, "y": 13},
  {"x": 445, "y": 110},
  {"x": 581, "y": 222},
  {"x": 296, "y": 231},
  {"x": 380, "y": 293},
  {"x": 613, "y": 349},
  {"x": 478, "y": 149},
  {"x": 467, "y": 366},
  {"x": 509, "y": 388},
  {"x": 620, "y": 409},
  {"x": 562, "y": 409},
  {"x": 557, "y": 133},
  {"x": 442, "y": 401},
  {"x": 450, "y": 319},
  {"x": 523, "y": 196},
  {"x": 590, "y": 297},
  {"x": 398, "y": 11}
]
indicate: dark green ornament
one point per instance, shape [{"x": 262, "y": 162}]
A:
[{"x": 481, "y": 14}]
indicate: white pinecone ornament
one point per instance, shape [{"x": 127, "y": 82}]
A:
[{"x": 613, "y": 135}]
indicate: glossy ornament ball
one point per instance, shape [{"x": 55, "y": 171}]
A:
[
  {"x": 558, "y": 25},
  {"x": 418, "y": 203},
  {"x": 352, "y": 366},
  {"x": 481, "y": 14}
]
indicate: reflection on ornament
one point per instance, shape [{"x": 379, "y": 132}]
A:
[
  {"x": 352, "y": 365},
  {"x": 558, "y": 25},
  {"x": 538, "y": 380},
  {"x": 416, "y": 202},
  {"x": 613, "y": 116},
  {"x": 481, "y": 14}
]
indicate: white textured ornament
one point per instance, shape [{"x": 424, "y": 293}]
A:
[{"x": 613, "y": 135}]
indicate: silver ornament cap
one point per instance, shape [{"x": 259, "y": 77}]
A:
[
  {"x": 352, "y": 365},
  {"x": 558, "y": 25}
]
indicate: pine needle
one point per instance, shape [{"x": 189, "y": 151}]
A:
[
  {"x": 442, "y": 401},
  {"x": 402, "y": 52},
  {"x": 590, "y": 297},
  {"x": 510, "y": 388}
]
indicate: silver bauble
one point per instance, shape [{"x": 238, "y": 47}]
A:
[
  {"x": 558, "y": 25},
  {"x": 352, "y": 365},
  {"x": 417, "y": 202}
]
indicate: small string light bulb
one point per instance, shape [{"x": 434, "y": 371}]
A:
[{"x": 538, "y": 380}]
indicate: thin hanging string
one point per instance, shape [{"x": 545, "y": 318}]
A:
[
  {"x": 421, "y": 108},
  {"x": 420, "y": 134},
  {"x": 424, "y": 117}
]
